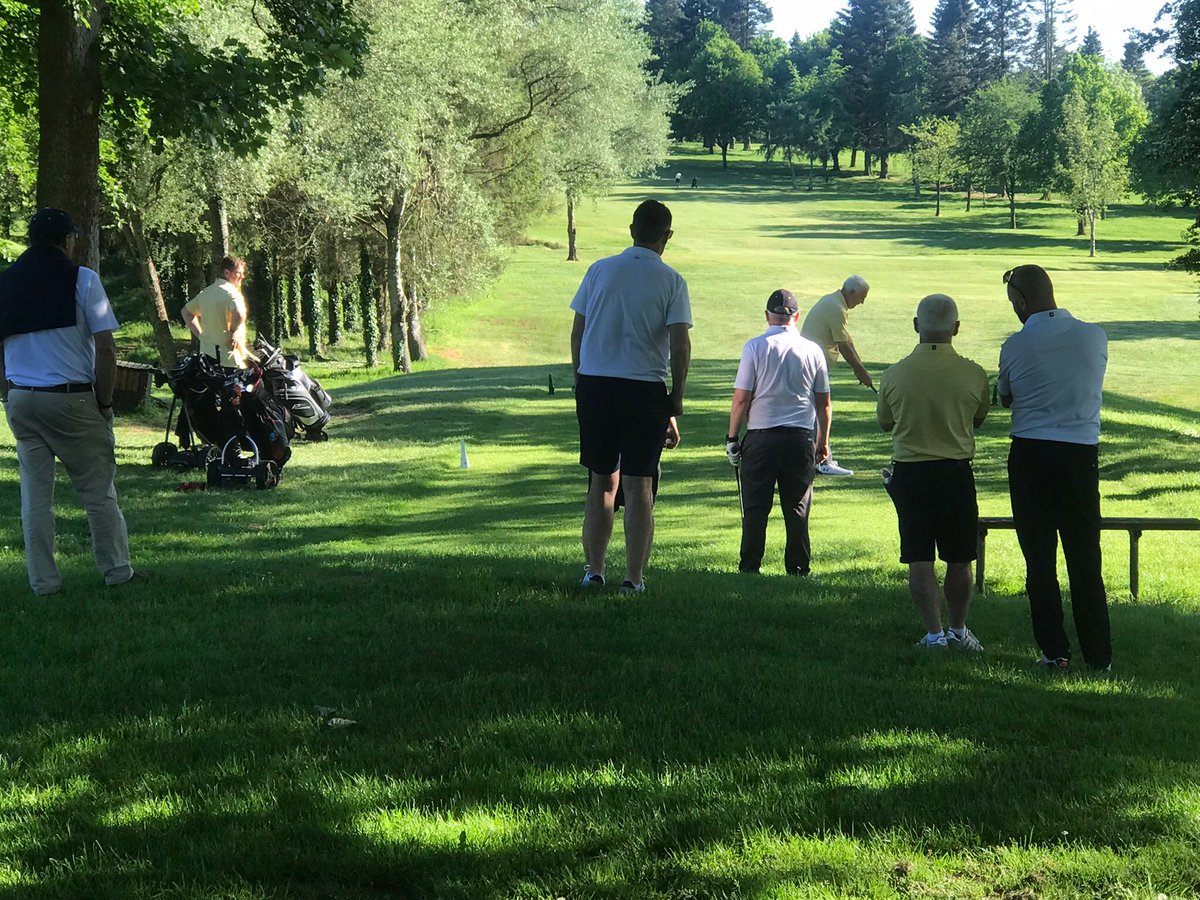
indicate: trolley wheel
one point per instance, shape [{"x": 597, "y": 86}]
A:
[
  {"x": 266, "y": 475},
  {"x": 214, "y": 473},
  {"x": 319, "y": 435},
  {"x": 162, "y": 454}
]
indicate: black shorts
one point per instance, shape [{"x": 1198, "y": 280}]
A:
[
  {"x": 621, "y": 424},
  {"x": 936, "y": 506}
]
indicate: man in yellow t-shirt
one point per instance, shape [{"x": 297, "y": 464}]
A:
[
  {"x": 217, "y": 316},
  {"x": 825, "y": 325},
  {"x": 932, "y": 401}
]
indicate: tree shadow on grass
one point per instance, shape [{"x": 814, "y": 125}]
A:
[
  {"x": 515, "y": 737},
  {"x": 513, "y": 734},
  {"x": 1145, "y": 330}
]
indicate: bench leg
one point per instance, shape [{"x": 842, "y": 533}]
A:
[
  {"x": 980, "y": 554},
  {"x": 1134, "y": 537}
]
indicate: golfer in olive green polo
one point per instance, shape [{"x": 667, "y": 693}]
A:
[{"x": 932, "y": 401}]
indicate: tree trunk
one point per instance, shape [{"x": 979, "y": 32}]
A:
[
  {"x": 310, "y": 305},
  {"x": 883, "y": 164},
  {"x": 333, "y": 316},
  {"x": 866, "y": 162},
  {"x": 853, "y": 159},
  {"x": 349, "y": 307},
  {"x": 278, "y": 306},
  {"x": 416, "y": 331},
  {"x": 1080, "y": 224},
  {"x": 745, "y": 143},
  {"x": 724, "y": 154},
  {"x": 295, "y": 313},
  {"x": 193, "y": 272},
  {"x": 811, "y": 166},
  {"x": 70, "y": 97},
  {"x": 969, "y": 194},
  {"x": 572, "y": 250},
  {"x": 218, "y": 223},
  {"x": 1092, "y": 229},
  {"x": 160, "y": 322},
  {"x": 1012, "y": 207},
  {"x": 1103, "y": 213},
  {"x": 401, "y": 361},
  {"x": 937, "y": 189},
  {"x": 259, "y": 294},
  {"x": 366, "y": 299},
  {"x": 792, "y": 173}
]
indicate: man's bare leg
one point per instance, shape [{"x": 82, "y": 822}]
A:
[
  {"x": 598, "y": 520},
  {"x": 926, "y": 595},
  {"x": 639, "y": 525},
  {"x": 958, "y": 592}
]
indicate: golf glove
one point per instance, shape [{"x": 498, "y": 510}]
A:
[{"x": 733, "y": 451}]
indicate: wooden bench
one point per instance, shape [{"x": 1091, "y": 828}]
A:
[{"x": 1134, "y": 525}]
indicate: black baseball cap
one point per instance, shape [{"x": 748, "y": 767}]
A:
[
  {"x": 782, "y": 303},
  {"x": 51, "y": 225}
]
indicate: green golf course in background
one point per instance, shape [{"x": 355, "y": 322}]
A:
[{"x": 718, "y": 737}]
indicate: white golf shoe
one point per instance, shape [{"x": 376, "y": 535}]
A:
[{"x": 831, "y": 467}]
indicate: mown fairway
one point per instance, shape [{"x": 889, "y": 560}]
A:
[{"x": 719, "y": 737}]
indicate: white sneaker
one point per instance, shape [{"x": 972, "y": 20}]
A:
[
  {"x": 831, "y": 467},
  {"x": 926, "y": 643},
  {"x": 591, "y": 581},
  {"x": 967, "y": 642}
]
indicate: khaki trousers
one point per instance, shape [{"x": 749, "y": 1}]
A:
[{"x": 71, "y": 428}]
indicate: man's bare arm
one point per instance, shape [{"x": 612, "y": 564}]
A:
[
  {"x": 106, "y": 370},
  {"x": 576, "y": 343},
  {"x": 738, "y": 411},
  {"x": 192, "y": 321},
  {"x": 823, "y": 410},
  {"x": 681, "y": 360},
  {"x": 851, "y": 355}
]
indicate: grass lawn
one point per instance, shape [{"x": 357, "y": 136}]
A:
[{"x": 719, "y": 737}]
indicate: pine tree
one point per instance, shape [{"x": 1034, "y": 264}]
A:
[
  {"x": 951, "y": 56},
  {"x": 1002, "y": 38},
  {"x": 1091, "y": 45},
  {"x": 876, "y": 39},
  {"x": 1053, "y": 33},
  {"x": 744, "y": 19}
]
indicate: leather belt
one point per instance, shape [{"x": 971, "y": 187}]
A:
[{"x": 76, "y": 388}]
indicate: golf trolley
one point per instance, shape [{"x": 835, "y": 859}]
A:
[{"x": 244, "y": 432}]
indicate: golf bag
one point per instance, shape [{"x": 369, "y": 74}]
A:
[
  {"x": 244, "y": 430},
  {"x": 302, "y": 396}
]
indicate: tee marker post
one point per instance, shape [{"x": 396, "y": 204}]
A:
[{"x": 463, "y": 462}]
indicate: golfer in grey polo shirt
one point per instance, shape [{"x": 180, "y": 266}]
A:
[
  {"x": 1052, "y": 376},
  {"x": 782, "y": 393}
]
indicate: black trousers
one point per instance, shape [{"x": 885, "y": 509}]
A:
[
  {"x": 782, "y": 456},
  {"x": 1055, "y": 491}
]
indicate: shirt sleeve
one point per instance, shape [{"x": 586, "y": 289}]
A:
[
  {"x": 821, "y": 378},
  {"x": 580, "y": 302},
  {"x": 838, "y": 327},
  {"x": 90, "y": 295},
  {"x": 679, "y": 307},
  {"x": 747, "y": 376},
  {"x": 985, "y": 400},
  {"x": 1002, "y": 380}
]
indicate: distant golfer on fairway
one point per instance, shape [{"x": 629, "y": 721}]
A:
[
  {"x": 932, "y": 401},
  {"x": 825, "y": 324},
  {"x": 632, "y": 316},
  {"x": 782, "y": 388}
]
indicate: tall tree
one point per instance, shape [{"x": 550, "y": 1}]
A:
[
  {"x": 1096, "y": 172},
  {"x": 950, "y": 56},
  {"x": 744, "y": 19},
  {"x": 934, "y": 153},
  {"x": 1054, "y": 32},
  {"x": 1133, "y": 61},
  {"x": 878, "y": 45},
  {"x": 1002, "y": 38},
  {"x": 990, "y": 145},
  {"x": 1091, "y": 45},
  {"x": 726, "y": 97}
]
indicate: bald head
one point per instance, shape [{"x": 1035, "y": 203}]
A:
[
  {"x": 937, "y": 319},
  {"x": 1029, "y": 290}
]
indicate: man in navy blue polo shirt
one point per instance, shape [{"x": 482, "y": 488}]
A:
[{"x": 1052, "y": 376}]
